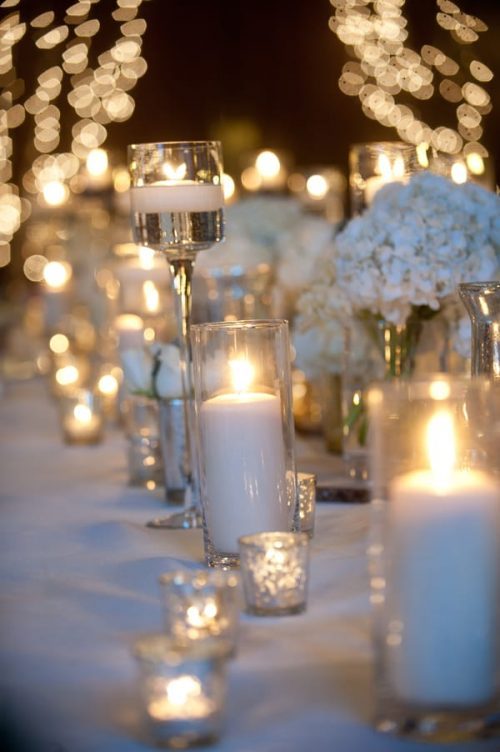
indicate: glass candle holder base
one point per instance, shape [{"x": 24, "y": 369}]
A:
[
  {"x": 217, "y": 560},
  {"x": 436, "y": 726},
  {"x": 182, "y": 734}
]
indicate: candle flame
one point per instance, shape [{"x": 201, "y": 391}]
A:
[
  {"x": 82, "y": 413},
  {"x": 151, "y": 296},
  {"x": 173, "y": 172},
  {"x": 146, "y": 257},
  {"x": 441, "y": 445},
  {"x": 181, "y": 689},
  {"x": 242, "y": 374}
]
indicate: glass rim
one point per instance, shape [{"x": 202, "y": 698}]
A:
[
  {"x": 159, "y": 648},
  {"x": 419, "y": 387},
  {"x": 385, "y": 144},
  {"x": 175, "y": 144},
  {"x": 478, "y": 285},
  {"x": 215, "y": 577},
  {"x": 242, "y": 324}
]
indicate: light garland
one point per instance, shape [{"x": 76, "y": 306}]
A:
[
  {"x": 375, "y": 32},
  {"x": 99, "y": 95}
]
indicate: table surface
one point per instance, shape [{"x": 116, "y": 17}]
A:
[{"x": 79, "y": 577}]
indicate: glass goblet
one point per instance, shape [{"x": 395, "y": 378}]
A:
[{"x": 177, "y": 209}]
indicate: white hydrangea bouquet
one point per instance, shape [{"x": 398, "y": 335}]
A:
[
  {"x": 398, "y": 265},
  {"x": 153, "y": 372},
  {"x": 402, "y": 260}
]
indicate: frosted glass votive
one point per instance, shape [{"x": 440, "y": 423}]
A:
[
  {"x": 306, "y": 483},
  {"x": 201, "y": 605},
  {"x": 274, "y": 572},
  {"x": 183, "y": 690}
]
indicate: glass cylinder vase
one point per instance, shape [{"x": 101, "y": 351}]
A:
[
  {"x": 482, "y": 302},
  {"x": 435, "y": 556},
  {"x": 242, "y": 381}
]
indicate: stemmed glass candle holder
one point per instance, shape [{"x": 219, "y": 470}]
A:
[
  {"x": 374, "y": 165},
  {"x": 245, "y": 431},
  {"x": 201, "y": 605},
  {"x": 435, "y": 556},
  {"x": 177, "y": 208},
  {"x": 183, "y": 689}
]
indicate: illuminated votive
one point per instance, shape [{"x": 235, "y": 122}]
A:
[
  {"x": 274, "y": 572},
  {"x": 176, "y": 196},
  {"x": 200, "y": 605},
  {"x": 81, "y": 418},
  {"x": 444, "y": 571},
  {"x": 306, "y": 485},
  {"x": 242, "y": 446},
  {"x": 183, "y": 690}
]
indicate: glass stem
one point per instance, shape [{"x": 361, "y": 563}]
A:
[{"x": 182, "y": 272}]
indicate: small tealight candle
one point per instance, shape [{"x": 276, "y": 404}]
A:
[
  {"x": 200, "y": 605},
  {"x": 306, "y": 484},
  {"x": 81, "y": 418},
  {"x": 274, "y": 571},
  {"x": 183, "y": 690}
]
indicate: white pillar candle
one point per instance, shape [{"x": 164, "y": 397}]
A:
[
  {"x": 130, "y": 331},
  {"x": 176, "y": 196},
  {"x": 443, "y": 585},
  {"x": 244, "y": 458}
]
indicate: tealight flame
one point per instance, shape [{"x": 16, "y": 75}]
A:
[
  {"x": 441, "y": 445},
  {"x": 202, "y": 617},
  {"x": 151, "y": 296},
  {"x": 459, "y": 173},
  {"x": 172, "y": 172},
  {"x": 55, "y": 193},
  {"x": 181, "y": 689},
  {"x": 317, "y": 186},
  {"x": 384, "y": 166},
  {"x": 59, "y": 344},
  {"x": 398, "y": 168},
  {"x": 108, "y": 384},
  {"x": 146, "y": 257},
  {"x": 67, "y": 375},
  {"x": 97, "y": 162},
  {"x": 242, "y": 374},
  {"x": 475, "y": 163},
  {"x": 268, "y": 164},
  {"x": 82, "y": 413},
  {"x": 422, "y": 157}
]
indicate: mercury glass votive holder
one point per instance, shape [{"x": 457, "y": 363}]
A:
[
  {"x": 274, "y": 572},
  {"x": 183, "y": 690},
  {"x": 81, "y": 417},
  {"x": 434, "y": 557},
  {"x": 244, "y": 431},
  {"x": 306, "y": 485},
  {"x": 201, "y": 605},
  {"x": 145, "y": 466}
]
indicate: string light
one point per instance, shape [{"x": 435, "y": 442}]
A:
[
  {"x": 385, "y": 67},
  {"x": 99, "y": 94}
]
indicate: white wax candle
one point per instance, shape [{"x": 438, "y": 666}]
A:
[
  {"x": 244, "y": 459},
  {"x": 130, "y": 331},
  {"x": 186, "y": 196},
  {"x": 443, "y": 585}
]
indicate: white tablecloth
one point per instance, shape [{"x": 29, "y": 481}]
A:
[{"x": 79, "y": 582}]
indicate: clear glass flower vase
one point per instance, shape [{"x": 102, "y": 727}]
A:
[{"x": 482, "y": 303}]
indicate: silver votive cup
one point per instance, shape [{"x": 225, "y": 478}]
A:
[
  {"x": 183, "y": 690},
  {"x": 274, "y": 572},
  {"x": 201, "y": 605},
  {"x": 306, "y": 484}
]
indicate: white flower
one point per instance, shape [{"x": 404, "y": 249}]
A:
[
  {"x": 137, "y": 365},
  {"x": 153, "y": 372},
  {"x": 412, "y": 247},
  {"x": 167, "y": 376}
]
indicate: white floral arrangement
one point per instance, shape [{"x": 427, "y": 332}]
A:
[
  {"x": 274, "y": 230},
  {"x": 407, "y": 253},
  {"x": 153, "y": 372}
]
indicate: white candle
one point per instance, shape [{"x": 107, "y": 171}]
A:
[
  {"x": 442, "y": 587},
  {"x": 243, "y": 450},
  {"x": 174, "y": 196},
  {"x": 130, "y": 331}
]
